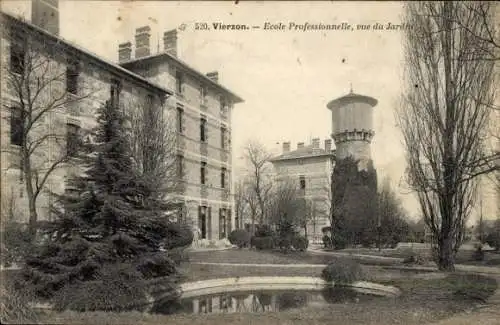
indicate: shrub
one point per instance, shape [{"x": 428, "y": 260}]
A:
[
  {"x": 327, "y": 242},
  {"x": 119, "y": 289},
  {"x": 415, "y": 258},
  {"x": 493, "y": 239},
  {"x": 478, "y": 254},
  {"x": 285, "y": 243},
  {"x": 327, "y": 229},
  {"x": 15, "y": 243},
  {"x": 264, "y": 242},
  {"x": 263, "y": 231},
  {"x": 300, "y": 243},
  {"x": 342, "y": 271},
  {"x": 179, "y": 235},
  {"x": 15, "y": 299},
  {"x": 239, "y": 237}
]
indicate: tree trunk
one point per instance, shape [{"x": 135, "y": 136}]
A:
[
  {"x": 445, "y": 254},
  {"x": 30, "y": 192}
]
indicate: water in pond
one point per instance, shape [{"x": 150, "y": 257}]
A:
[{"x": 259, "y": 301}]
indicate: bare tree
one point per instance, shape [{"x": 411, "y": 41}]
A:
[
  {"x": 240, "y": 204},
  {"x": 445, "y": 109},
  {"x": 43, "y": 84},
  {"x": 258, "y": 159},
  {"x": 154, "y": 146},
  {"x": 288, "y": 207}
]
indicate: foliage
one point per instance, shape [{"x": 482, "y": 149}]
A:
[
  {"x": 300, "y": 243},
  {"x": 178, "y": 235},
  {"x": 118, "y": 288},
  {"x": 327, "y": 242},
  {"x": 342, "y": 271},
  {"x": 478, "y": 254},
  {"x": 15, "y": 244},
  {"x": 239, "y": 237},
  {"x": 353, "y": 203},
  {"x": 263, "y": 231},
  {"x": 493, "y": 239},
  {"x": 14, "y": 301},
  {"x": 263, "y": 243},
  {"x": 112, "y": 218},
  {"x": 414, "y": 258}
]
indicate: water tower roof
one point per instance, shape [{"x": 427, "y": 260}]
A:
[{"x": 351, "y": 98}]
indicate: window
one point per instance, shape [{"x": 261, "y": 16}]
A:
[
  {"x": 72, "y": 139},
  {"x": 203, "y": 127},
  {"x": 302, "y": 183},
  {"x": 203, "y": 94},
  {"x": 180, "y": 167},
  {"x": 180, "y": 114},
  {"x": 178, "y": 82},
  {"x": 72, "y": 73},
  {"x": 16, "y": 126},
  {"x": 203, "y": 172},
  {"x": 149, "y": 100},
  {"x": 223, "y": 137},
  {"x": 222, "y": 223},
  {"x": 115, "y": 92},
  {"x": 223, "y": 105},
  {"x": 18, "y": 54},
  {"x": 223, "y": 177}
]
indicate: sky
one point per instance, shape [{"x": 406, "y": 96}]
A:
[{"x": 285, "y": 77}]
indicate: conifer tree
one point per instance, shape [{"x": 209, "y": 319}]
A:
[{"x": 109, "y": 228}]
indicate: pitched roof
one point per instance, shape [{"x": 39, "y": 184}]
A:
[
  {"x": 305, "y": 152},
  {"x": 69, "y": 45}
]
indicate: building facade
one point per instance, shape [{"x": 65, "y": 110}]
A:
[
  {"x": 310, "y": 166},
  {"x": 79, "y": 82}
]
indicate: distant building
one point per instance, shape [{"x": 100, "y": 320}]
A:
[{"x": 311, "y": 167}]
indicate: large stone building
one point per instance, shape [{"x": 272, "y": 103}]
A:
[
  {"x": 203, "y": 122},
  {"x": 79, "y": 82},
  {"x": 310, "y": 167}
]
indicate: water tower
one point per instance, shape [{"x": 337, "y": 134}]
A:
[{"x": 352, "y": 126}]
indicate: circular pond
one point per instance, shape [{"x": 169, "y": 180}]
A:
[
  {"x": 259, "y": 294},
  {"x": 262, "y": 300}
]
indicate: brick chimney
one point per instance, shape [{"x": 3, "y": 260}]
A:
[
  {"x": 300, "y": 145},
  {"x": 214, "y": 76},
  {"x": 328, "y": 145},
  {"x": 124, "y": 52},
  {"x": 286, "y": 147},
  {"x": 170, "y": 42},
  {"x": 45, "y": 14},
  {"x": 142, "y": 40},
  {"x": 315, "y": 143}
]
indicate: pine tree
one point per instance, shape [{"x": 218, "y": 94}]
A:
[{"x": 110, "y": 228}]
